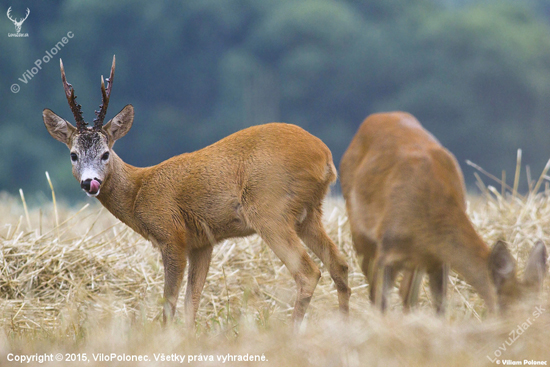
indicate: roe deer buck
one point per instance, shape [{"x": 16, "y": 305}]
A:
[
  {"x": 405, "y": 198},
  {"x": 268, "y": 179}
]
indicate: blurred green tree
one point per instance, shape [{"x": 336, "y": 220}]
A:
[{"x": 476, "y": 73}]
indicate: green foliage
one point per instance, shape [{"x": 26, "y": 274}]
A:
[
  {"x": 481, "y": 81},
  {"x": 477, "y": 74}
]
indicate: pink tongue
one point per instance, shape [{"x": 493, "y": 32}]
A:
[{"x": 94, "y": 186}]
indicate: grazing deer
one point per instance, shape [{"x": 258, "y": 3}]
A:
[
  {"x": 405, "y": 198},
  {"x": 268, "y": 179}
]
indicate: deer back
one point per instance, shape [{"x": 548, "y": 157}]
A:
[
  {"x": 273, "y": 169},
  {"x": 396, "y": 176}
]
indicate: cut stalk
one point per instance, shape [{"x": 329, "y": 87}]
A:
[
  {"x": 54, "y": 204},
  {"x": 26, "y": 209},
  {"x": 518, "y": 170}
]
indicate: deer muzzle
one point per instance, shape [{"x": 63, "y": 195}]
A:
[{"x": 91, "y": 186}]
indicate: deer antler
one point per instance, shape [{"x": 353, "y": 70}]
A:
[
  {"x": 9, "y": 15},
  {"x": 105, "y": 95},
  {"x": 71, "y": 98},
  {"x": 26, "y": 15},
  {"x": 20, "y": 20}
]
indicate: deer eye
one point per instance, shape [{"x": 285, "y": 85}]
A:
[
  {"x": 105, "y": 156},
  {"x": 74, "y": 157}
]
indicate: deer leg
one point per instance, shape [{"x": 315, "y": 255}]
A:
[
  {"x": 366, "y": 251},
  {"x": 199, "y": 263},
  {"x": 374, "y": 293},
  {"x": 314, "y": 236},
  {"x": 173, "y": 259},
  {"x": 389, "y": 261},
  {"x": 439, "y": 278},
  {"x": 288, "y": 248},
  {"x": 384, "y": 275},
  {"x": 383, "y": 279},
  {"x": 410, "y": 287}
]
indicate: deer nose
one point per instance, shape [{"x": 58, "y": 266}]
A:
[
  {"x": 91, "y": 185},
  {"x": 85, "y": 185}
]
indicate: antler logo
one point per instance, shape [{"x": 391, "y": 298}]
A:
[{"x": 18, "y": 24}]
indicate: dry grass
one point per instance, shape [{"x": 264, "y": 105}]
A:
[{"x": 91, "y": 285}]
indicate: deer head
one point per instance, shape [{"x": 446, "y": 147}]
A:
[
  {"x": 90, "y": 147},
  {"x": 502, "y": 267},
  {"x": 18, "y": 23}
]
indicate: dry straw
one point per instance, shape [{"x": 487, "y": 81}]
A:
[{"x": 87, "y": 283}]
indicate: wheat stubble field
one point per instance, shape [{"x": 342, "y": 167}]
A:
[{"x": 77, "y": 284}]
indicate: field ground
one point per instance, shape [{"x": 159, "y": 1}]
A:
[{"x": 88, "y": 286}]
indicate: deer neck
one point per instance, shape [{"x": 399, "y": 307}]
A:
[
  {"x": 119, "y": 191},
  {"x": 473, "y": 262}
]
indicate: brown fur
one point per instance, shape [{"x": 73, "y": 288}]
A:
[
  {"x": 269, "y": 179},
  {"x": 405, "y": 197}
]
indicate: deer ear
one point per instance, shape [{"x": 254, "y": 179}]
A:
[
  {"x": 502, "y": 264},
  {"x": 121, "y": 123},
  {"x": 536, "y": 267},
  {"x": 59, "y": 128}
]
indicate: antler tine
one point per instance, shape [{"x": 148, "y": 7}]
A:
[
  {"x": 9, "y": 14},
  {"x": 105, "y": 95},
  {"x": 71, "y": 98}
]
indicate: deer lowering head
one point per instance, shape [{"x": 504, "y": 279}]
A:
[
  {"x": 18, "y": 23},
  {"x": 90, "y": 147},
  {"x": 406, "y": 202},
  {"x": 269, "y": 179}
]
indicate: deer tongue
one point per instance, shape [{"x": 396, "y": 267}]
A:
[{"x": 94, "y": 186}]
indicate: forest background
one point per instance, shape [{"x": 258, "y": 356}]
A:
[{"x": 475, "y": 73}]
